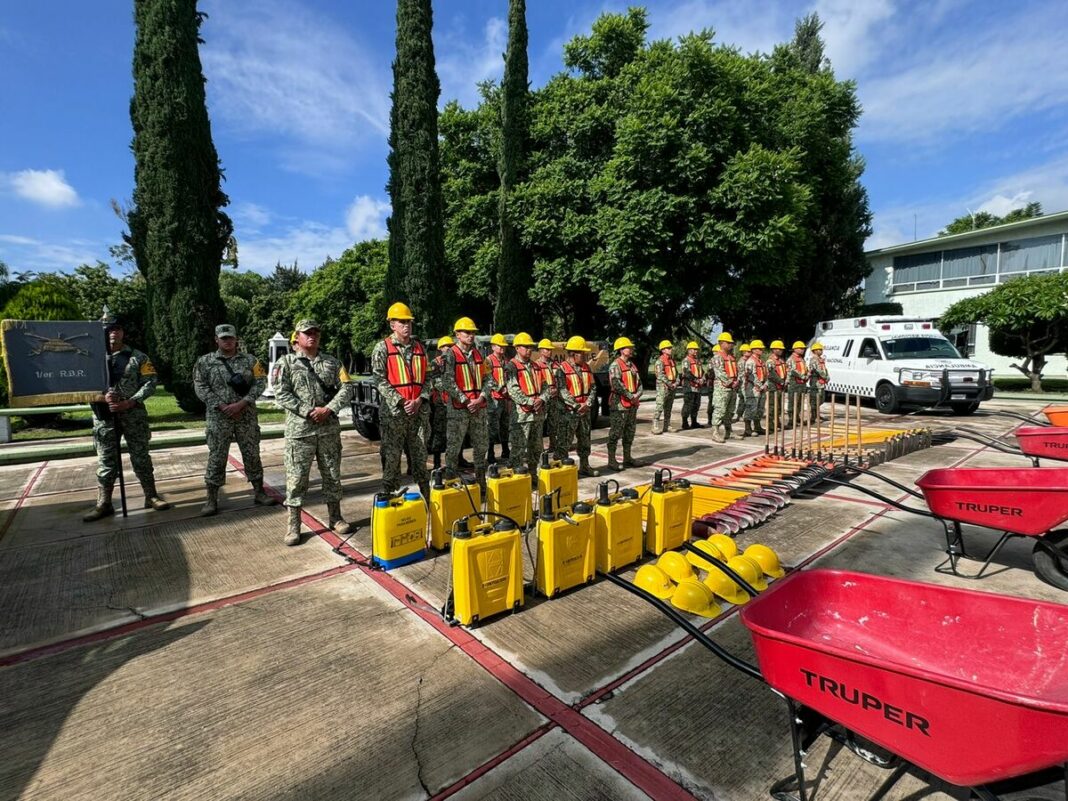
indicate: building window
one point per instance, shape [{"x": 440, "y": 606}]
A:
[
  {"x": 969, "y": 262},
  {"x": 963, "y": 340},
  {"x": 919, "y": 267},
  {"x": 1029, "y": 255}
]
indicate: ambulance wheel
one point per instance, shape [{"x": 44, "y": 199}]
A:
[
  {"x": 885, "y": 399},
  {"x": 367, "y": 429},
  {"x": 1050, "y": 568},
  {"x": 964, "y": 409}
]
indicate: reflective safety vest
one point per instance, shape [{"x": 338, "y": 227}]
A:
[
  {"x": 800, "y": 369},
  {"x": 730, "y": 366},
  {"x": 545, "y": 368},
  {"x": 779, "y": 366},
  {"x": 468, "y": 374},
  {"x": 496, "y": 368},
  {"x": 670, "y": 371},
  {"x": 821, "y": 371},
  {"x": 407, "y": 377},
  {"x": 630, "y": 381},
  {"x": 760, "y": 369},
  {"x": 695, "y": 366},
  {"x": 528, "y": 376},
  {"x": 579, "y": 380}
]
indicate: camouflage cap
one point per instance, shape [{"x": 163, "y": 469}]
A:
[
  {"x": 225, "y": 330},
  {"x": 307, "y": 325}
]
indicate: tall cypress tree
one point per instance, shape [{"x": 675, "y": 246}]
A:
[
  {"x": 178, "y": 230},
  {"x": 513, "y": 310},
  {"x": 416, "y": 228}
]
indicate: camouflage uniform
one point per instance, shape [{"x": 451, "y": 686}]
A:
[
  {"x": 436, "y": 434},
  {"x": 463, "y": 423},
  {"x": 551, "y": 411},
  {"x": 667, "y": 381},
  {"x": 527, "y": 424},
  {"x": 298, "y": 392},
  {"x": 818, "y": 378},
  {"x": 572, "y": 424},
  {"x": 401, "y": 431},
  {"x": 797, "y": 385},
  {"x": 691, "y": 374},
  {"x": 498, "y": 412},
  {"x": 724, "y": 392},
  {"x": 211, "y": 382},
  {"x": 132, "y": 377},
  {"x": 739, "y": 405},
  {"x": 622, "y": 420},
  {"x": 755, "y": 391},
  {"x": 776, "y": 386}
]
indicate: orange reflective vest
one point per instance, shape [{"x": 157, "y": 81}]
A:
[
  {"x": 468, "y": 374},
  {"x": 779, "y": 366},
  {"x": 822, "y": 370},
  {"x": 800, "y": 369},
  {"x": 496, "y": 368},
  {"x": 695, "y": 366},
  {"x": 528, "y": 376},
  {"x": 631, "y": 382},
  {"x": 579, "y": 380},
  {"x": 730, "y": 366},
  {"x": 760, "y": 369},
  {"x": 670, "y": 371},
  {"x": 407, "y": 377},
  {"x": 545, "y": 368}
]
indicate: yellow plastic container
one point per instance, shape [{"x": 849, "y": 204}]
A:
[
  {"x": 669, "y": 512},
  {"x": 617, "y": 527},
  {"x": 567, "y": 555},
  {"x": 556, "y": 476},
  {"x": 398, "y": 530},
  {"x": 487, "y": 571},
  {"x": 450, "y": 499},
  {"x": 508, "y": 493}
]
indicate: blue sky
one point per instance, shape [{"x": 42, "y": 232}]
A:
[{"x": 966, "y": 107}]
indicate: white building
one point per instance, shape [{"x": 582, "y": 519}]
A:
[{"x": 928, "y": 276}]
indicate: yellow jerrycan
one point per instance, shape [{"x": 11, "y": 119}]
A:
[
  {"x": 451, "y": 497},
  {"x": 559, "y": 477},
  {"x": 508, "y": 493},
  {"x": 487, "y": 569},
  {"x": 566, "y": 554},
  {"x": 398, "y": 529},
  {"x": 617, "y": 527},
  {"x": 668, "y": 514}
]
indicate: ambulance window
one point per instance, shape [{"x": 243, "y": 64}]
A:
[
  {"x": 869, "y": 350},
  {"x": 848, "y": 348}
]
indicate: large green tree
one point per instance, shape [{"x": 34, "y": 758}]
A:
[
  {"x": 178, "y": 230},
  {"x": 416, "y": 225},
  {"x": 984, "y": 219}
]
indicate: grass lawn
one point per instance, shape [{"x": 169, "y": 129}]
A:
[{"x": 163, "y": 415}]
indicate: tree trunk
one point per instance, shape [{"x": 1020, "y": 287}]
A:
[{"x": 1037, "y": 365}]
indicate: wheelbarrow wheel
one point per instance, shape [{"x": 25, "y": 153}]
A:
[{"x": 1048, "y": 567}]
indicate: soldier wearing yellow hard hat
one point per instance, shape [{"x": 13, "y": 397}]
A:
[
  {"x": 667, "y": 381},
  {"x": 469, "y": 397},
  {"x": 575, "y": 396},
  {"x": 499, "y": 413},
  {"x": 692, "y": 378},
  {"x": 725, "y": 382},
  {"x": 437, "y": 441},
  {"x": 623, "y": 401},
  {"x": 401, "y": 370},
  {"x": 776, "y": 384},
  {"x": 530, "y": 398},
  {"x": 819, "y": 375},
  {"x": 755, "y": 388},
  {"x": 742, "y": 358},
  {"x": 544, "y": 363},
  {"x": 797, "y": 381}
]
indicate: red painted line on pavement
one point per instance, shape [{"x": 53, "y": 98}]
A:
[
  {"x": 486, "y": 767},
  {"x": 164, "y": 617},
  {"x": 26, "y": 489}
]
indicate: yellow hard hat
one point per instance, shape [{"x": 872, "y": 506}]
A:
[
  {"x": 523, "y": 338},
  {"x": 710, "y": 549},
  {"x": 778, "y": 344},
  {"x": 577, "y": 344},
  {"x": 654, "y": 581},
  {"x": 444, "y": 342},
  {"x": 725, "y": 337},
  {"x": 766, "y": 558},
  {"x": 716, "y": 349},
  {"x": 692, "y": 345},
  {"x": 664, "y": 343},
  {"x": 756, "y": 343},
  {"x": 465, "y": 324},
  {"x": 399, "y": 311},
  {"x": 675, "y": 565},
  {"x": 545, "y": 344},
  {"x": 749, "y": 570},
  {"x": 743, "y": 348},
  {"x": 725, "y": 545},
  {"x": 498, "y": 339},
  {"x": 725, "y": 587},
  {"x": 694, "y": 597},
  {"x": 816, "y": 346},
  {"x": 621, "y": 343},
  {"x": 799, "y": 344}
]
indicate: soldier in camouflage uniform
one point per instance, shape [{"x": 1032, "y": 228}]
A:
[
  {"x": 755, "y": 384},
  {"x": 436, "y": 439},
  {"x": 692, "y": 376},
  {"x": 400, "y": 367},
  {"x": 667, "y": 381},
  {"x": 626, "y": 393},
  {"x": 711, "y": 412},
  {"x": 544, "y": 362},
  {"x": 797, "y": 381},
  {"x": 776, "y": 384},
  {"x": 313, "y": 388},
  {"x": 743, "y": 362},
  {"x": 725, "y": 380},
  {"x": 575, "y": 396},
  {"x": 530, "y": 399},
  {"x": 132, "y": 380},
  {"x": 469, "y": 398},
  {"x": 228, "y": 383},
  {"x": 499, "y": 412}
]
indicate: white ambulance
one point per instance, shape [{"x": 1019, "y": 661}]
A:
[{"x": 901, "y": 362}]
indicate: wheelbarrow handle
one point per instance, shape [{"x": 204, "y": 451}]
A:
[
  {"x": 883, "y": 498},
  {"x": 734, "y": 661},
  {"x": 988, "y": 441},
  {"x": 855, "y": 469},
  {"x": 741, "y": 582}
]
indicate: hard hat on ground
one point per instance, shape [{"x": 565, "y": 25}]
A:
[
  {"x": 743, "y": 348},
  {"x": 725, "y": 337},
  {"x": 766, "y": 558},
  {"x": 756, "y": 343},
  {"x": 577, "y": 344},
  {"x": 725, "y": 587},
  {"x": 523, "y": 338},
  {"x": 654, "y": 581},
  {"x": 749, "y": 570},
  {"x": 444, "y": 342},
  {"x": 545, "y": 344},
  {"x": 399, "y": 311},
  {"x": 465, "y": 324},
  {"x": 694, "y": 597},
  {"x": 498, "y": 339},
  {"x": 799, "y": 344},
  {"x": 710, "y": 549},
  {"x": 664, "y": 343},
  {"x": 692, "y": 345},
  {"x": 726, "y": 546},
  {"x": 778, "y": 344},
  {"x": 675, "y": 565},
  {"x": 817, "y": 346},
  {"x": 621, "y": 343}
]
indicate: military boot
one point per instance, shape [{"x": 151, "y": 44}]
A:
[
  {"x": 759, "y": 429},
  {"x": 612, "y": 463},
  {"x": 336, "y": 521},
  {"x": 152, "y": 498},
  {"x": 717, "y": 435},
  {"x": 260, "y": 497},
  {"x": 695, "y": 424},
  {"x": 211, "y": 505},
  {"x": 658, "y": 427},
  {"x": 630, "y": 461},
  {"x": 748, "y": 432},
  {"x": 585, "y": 469},
  {"x": 293, "y": 529},
  {"x": 491, "y": 458},
  {"x": 103, "y": 506},
  {"x": 727, "y": 430},
  {"x": 480, "y": 478},
  {"x": 685, "y": 425}
]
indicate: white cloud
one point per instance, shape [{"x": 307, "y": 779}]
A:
[
  {"x": 1000, "y": 205},
  {"x": 45, "y": 187},
  {"x": 463, "y": 64},
  {"x": 366, "y": 218},
  {"x": 751, "y": 26},
  {"x": 27, "y": 253},
  {"x": 849, "y": 32},
  {"x": 307, "y": 243},
  {"x": 250, "y": 217}
]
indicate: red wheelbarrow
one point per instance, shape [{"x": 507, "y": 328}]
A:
[
  {"x": 1043, "y": 442},
  {"x": 968, "y": 687}
]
